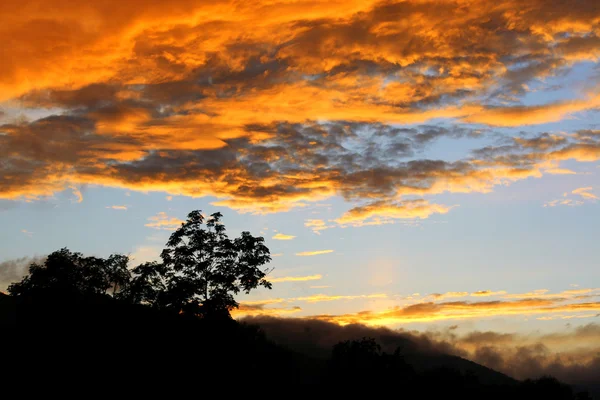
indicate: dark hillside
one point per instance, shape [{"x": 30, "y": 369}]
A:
[{"x": 95, "y": 342}]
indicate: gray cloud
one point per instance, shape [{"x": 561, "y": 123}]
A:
[
  {"x": 14, "y": 270},
  {"x": 519, "y": 356}
]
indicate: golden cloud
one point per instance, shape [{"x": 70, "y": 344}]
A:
[
  {"x": 440, "y": 296},
  {"x": 164, "y": 222},
  {"x": 585, "y": 193},
  {"x": 196, "y": 100},
  {"x": 458, "y": 310},
  {"x": 541, "y": 304},
  {"x": 245, "y": 310},
  {"x": 486, "y": 293},
  {"x": 382, "y": 212},
  {"x": 316, "y": 225},
  {"x": 281, "y": 236}
]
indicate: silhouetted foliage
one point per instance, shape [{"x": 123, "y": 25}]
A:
[
  {"x": 547, "y": 387},
  {"x": 147, "y": 284},
  {"x": 354, "y": 362},
  {"x": 202, "y": 269},
  {"x": 65, "y": 273},
  {"x": 353, "y": 354}
]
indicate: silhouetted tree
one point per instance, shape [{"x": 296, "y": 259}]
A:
[
  {"x": 362, "y": 353},
  {"x": 358, "y": 363},
  {"x": 202, "y": 269},
  {"x": 546, "y": 387},
  {"x": 147, "y": 285},
  {"x": 66, "y": 273},
  {"x": 117, "y": 273}
]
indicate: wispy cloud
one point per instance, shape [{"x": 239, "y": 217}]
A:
[
  {"x": 76, "y": 193},
  {"x": 314, "y": 253},
  {"x": 545, "y": 293},
  {"x": 427, "y": 312},
  {"x": 245, "y": 310},
  {"x": 439, "y": 296},
  {"x": 540, "y": 304},
  {"x": 316, "y": 225},
  {"x": 281, "y": 236},
  {"x": 27, "y": 233},
  {"x": 14, "y": 270},
  {"x": 487, "y": 293},
  {"x": 297, "y": 278},
  {"x": 317, "y": 298},
  {"x": 164, "y": 222},
  {"x": 560, "y": 171},
  {"x": 145, "y": 253},
  {"x": 117, "y": 207},
  {"x": 382, "y": 212},
  {"x": 583, "y": 192},
  {"x": 563, "y": 202}
]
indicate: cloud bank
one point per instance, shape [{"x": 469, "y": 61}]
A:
[
  {"x": 571, "y": 355},
  {"x": 268, "y": 106}
]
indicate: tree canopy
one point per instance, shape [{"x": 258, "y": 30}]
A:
[
  {"x": 201, "y": 271},
  {"x": 202, "y": 268},
  {"x": 69, "y": 273}
]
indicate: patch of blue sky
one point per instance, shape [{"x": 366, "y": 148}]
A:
[
  {"x": 12, "y": 112},
  {"x": 573, "y": 84}
]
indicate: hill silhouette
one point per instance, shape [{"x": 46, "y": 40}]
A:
[{"x": 94, "y": 340}]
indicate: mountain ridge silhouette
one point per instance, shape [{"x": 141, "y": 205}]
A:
[{"x": 98, "y": 338}]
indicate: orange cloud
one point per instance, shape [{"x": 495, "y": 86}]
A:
[
  {"x": 530, "y": 115},
  {"x": 427, "y": 312},
  {"x": 541, "y": 304},
  {"x": 245, "y": 310},
  {"x": 150, "y": 98},
  {"x": 381, "y": 212},
  {"x": 258, "y": 307},
  {"x": 164, "y": 222},
  {"x": 585, "y": 193},
  {"x": 281, "y": 236},
  {"x": 77, "y": 194},
  {"x": 316, "y": 225},
  {"x": 560, "y": 171}
]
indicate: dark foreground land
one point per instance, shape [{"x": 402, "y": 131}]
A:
[{"x": 96, "y": 347}]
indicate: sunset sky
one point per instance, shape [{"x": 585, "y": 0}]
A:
[{"x": 422, "y": 164}]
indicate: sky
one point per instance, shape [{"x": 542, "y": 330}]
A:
[{"x": 421, "y": 164}]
